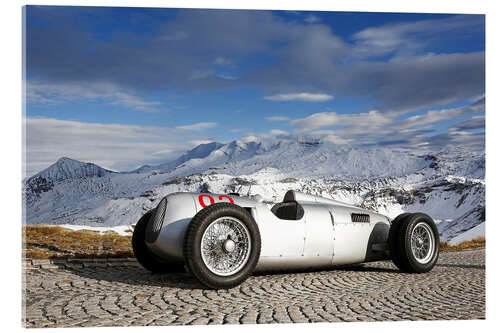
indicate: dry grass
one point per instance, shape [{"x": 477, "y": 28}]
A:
[
  {"x": 476, "y": 242},
  {"x": 51, "y": 242}
]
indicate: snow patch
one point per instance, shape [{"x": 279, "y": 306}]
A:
[
  {"x": 477, "y": 231},
  {"x": 122, "y": 230}
]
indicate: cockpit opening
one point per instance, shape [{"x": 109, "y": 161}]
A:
[{"x": 290, "y": 210}]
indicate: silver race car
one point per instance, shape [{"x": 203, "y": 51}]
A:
[{"x": 222, "y": 239}]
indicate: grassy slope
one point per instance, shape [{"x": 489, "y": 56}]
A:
[
  {"x": 476, "y": 242},
  {"x": 53, "y": 242},
  {"x": 44, "y": 242}
]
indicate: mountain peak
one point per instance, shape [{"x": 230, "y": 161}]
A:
[
  {"x": 65, "y": 159},
  {"x": 68, "y": 168},
  {"x": 198, "y": 152}
]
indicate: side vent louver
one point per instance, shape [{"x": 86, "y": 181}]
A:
[
  {"x": 361, "y": 218},
  {"x": 156, "y": 221}
]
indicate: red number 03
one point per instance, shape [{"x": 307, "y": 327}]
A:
[{"x": 212, "y": 200}]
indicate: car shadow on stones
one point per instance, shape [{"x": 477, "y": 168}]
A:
[
  {"x": 362, "y": 268},
  {"x": 344, "y": 268},
  {"x": 134, "y": 275},
  {"x": 465, "y": 266}
]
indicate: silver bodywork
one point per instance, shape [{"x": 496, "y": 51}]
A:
[{"x": 326, "y": 235}]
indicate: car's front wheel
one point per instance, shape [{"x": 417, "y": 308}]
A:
[
  {"x": 415, "y": 243},
  {"x": 222, "y": 245}
]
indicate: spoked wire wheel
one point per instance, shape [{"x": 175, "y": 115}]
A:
[
  {"x": 414, "y": 242},
  {"x": 222, "y": 245},
  {"x": 226, "y": 246},
  {"x": 422, "y": 242}
]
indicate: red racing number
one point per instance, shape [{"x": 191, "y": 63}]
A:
[
  {"x": 201, "y": 199},
  {"x": 228, "y": 198},
  {"x": 202, "y": 202}
]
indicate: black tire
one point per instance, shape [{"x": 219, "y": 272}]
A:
[
  {"x": 395, "y": 254},
  {"x": 192, "y": 245},
  {"x": 144, "y": 256},
  {"x": 409, "y": 262}
]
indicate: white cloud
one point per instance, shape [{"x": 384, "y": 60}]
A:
[
  {"x": 53, "y": 93},
  {"x": 114, "y": 146},
  {"x": 249, "y": 138},
  {"x": 200, "y": 74},
  {"x": 226, "y": 76},
  {"x": 473, "y": 123},
  {"x": 258, "y": 136},
  {"x": 435, "y": 116},
  {"x": 312, "y": 19},
  {"x": 304, "y": 97},
  {"x": 135, "y": 102},
  {"x": 409, "y": 37},
  {"x": 335, "y": 139},
  {"x": 201, "y": 142},
  {"x": 463, "y": 139},
  {"x": 197, "y": 127},
  {"x": 162, "y": 152},
  {"x": 328, "y": 119},
  {"x": 277, "y": 118},
  {"x": 222, "y": 61},
  {"x": 375, "y": 127},
  {"x": 278, "y": 132}
]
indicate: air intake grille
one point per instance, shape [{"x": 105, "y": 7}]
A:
[
  {"x": 156, "y": 221},
  {"x": 362, "y": 218}
]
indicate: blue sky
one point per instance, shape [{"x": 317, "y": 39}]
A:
[{"x": 123, "y": 87}]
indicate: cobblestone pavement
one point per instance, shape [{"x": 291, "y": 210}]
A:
[{"x": 120, "y": 292}]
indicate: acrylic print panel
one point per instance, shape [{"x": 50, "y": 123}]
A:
[{"x": 197, "y": 166}]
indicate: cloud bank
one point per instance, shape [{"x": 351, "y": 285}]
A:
[
  {"x": 114, "y": 146},
  {"x": 406, "y": 74},
  {"x": 393, "y": 66}
]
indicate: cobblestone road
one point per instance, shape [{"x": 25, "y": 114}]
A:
[{"x": 119, "y": 292}]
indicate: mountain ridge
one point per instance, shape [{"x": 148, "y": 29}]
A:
[
  {"x": 448, "y": 184},
  {"x": 68, "y": 168},
  {"x": 200, "y": 151}
]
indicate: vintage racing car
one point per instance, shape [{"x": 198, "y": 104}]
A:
[{"x": 222, "y": 239}]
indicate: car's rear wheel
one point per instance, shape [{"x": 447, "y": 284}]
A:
[
  {"x": 393, "y": 241},
  {"x": 416, "y": 243},
  {"x": 143, "y": 254},
  {"x": 222, "y": 245}
]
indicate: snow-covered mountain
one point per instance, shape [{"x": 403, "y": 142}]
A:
[
  {"x": 199, "y": 152},
  {"x": 448, "y": 185},
  {"x": 294, "y": 158},
  {"x": 65, "y": 169}
]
